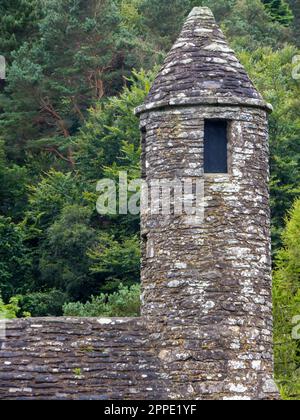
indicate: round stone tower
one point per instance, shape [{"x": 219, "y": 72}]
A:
[{"x": 206, "y": 279}]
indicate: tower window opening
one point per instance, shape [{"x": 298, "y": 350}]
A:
[{"x": 216, "y": 147}]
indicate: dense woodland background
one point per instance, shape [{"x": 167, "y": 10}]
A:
[{"x": 76, "y": 70}]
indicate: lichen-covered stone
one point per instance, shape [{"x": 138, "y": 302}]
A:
[
  {"x": 202, "y": 68},
  {"x": 82, "y": 359},
  {"x": 207, "y": 287}
]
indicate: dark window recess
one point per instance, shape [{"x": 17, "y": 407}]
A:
[{"x": 215, "y": 147}]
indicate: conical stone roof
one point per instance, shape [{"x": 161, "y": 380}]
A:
[{"x": 202, "y": 69}]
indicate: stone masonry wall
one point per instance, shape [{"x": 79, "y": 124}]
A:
[{"x": 207, "y": 288}]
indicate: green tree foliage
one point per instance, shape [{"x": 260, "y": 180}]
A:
[
  {"x": 287, "y": 307},
  {"x": 272, "y": 73},
  {"x": 63, "y": 260},
  {"x": 15, "y": 262},
  {"x": 111, "y": 126},
  {"x": 61, "y": 222},
  {"x": 75, "y": 251},
  {"x": 13, "y": 187},
  {"x": 9, "y": 310},
  {"x": 117, "y": 260},
  {"x": 43, "y": 304},
  {"x": 279, "y": 10},
  {"x": 247, "y": 23},
  {"x": 18, "y": 23},
  {"x": 249, "y": 26},
  {"x": 124, "y": 302},
  {"x": 295, "y": 6},
  {"x": 48, "y": 198},
  {"x": 82, "y": 54},
  {"x": 164, "y": 31}
]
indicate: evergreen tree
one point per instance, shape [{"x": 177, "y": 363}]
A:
[
  {"x": 163, "y": 19},
  {"x": 279, "y": 11},
  {"x": 108, "y": 127},
  {"x": 18, "y": 23},
  {"x": 247, "y": 23},
  {"x": 63, "y": 263},
  {"x": 271, "y": 71},
  {"x": 249, "y": 26},
  {"x": 295, "y": 6},
  {"x": 77, "y": 251},
  {"x": 15, "y": 261},
  {"x": 13, "y": 188},
  {"x": 81, "y": 56}
]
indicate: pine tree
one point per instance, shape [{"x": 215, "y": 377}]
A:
[
  {"x": 163, "y": 19},
  {"x": 295, "y": 6},
  {"x": 18, "y": 22},
  {"x": 279, "y": 11},
  {"x": 15, "y": 261},
  {"x": 271, "y": 71},
  {"x": 81, "y": 56}
]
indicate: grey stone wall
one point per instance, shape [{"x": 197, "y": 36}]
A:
[{"x": 207, "y": 288}]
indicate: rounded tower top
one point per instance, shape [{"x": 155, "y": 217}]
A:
[{"x": 202, "y": 69}]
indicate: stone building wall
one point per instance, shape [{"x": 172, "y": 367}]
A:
[{"x": 208, "y": 287}]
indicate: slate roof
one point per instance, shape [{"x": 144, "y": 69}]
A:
[{"x": 202, "y": 68}]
